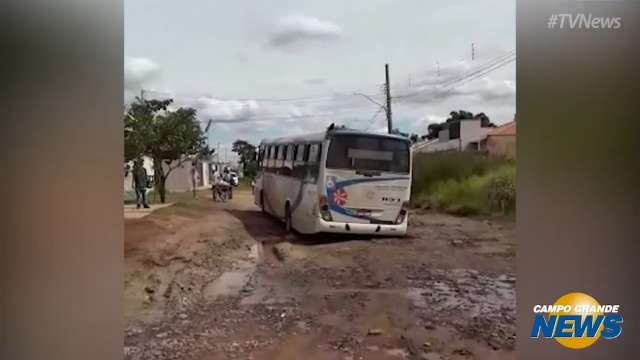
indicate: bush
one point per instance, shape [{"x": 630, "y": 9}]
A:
[
  {"x": 463, "y": 197},
  {"x": 432, "y": 168},
  {"x": 502, "y": 191},
  {"x": 464, "y": 183}
]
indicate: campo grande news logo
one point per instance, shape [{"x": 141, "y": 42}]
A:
[{"x": 576, "y": 320}]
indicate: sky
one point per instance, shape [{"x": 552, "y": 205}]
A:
[{"x": 274, "y": 68}]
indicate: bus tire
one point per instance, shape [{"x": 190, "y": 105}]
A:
[{"x": 287, "y": 219}]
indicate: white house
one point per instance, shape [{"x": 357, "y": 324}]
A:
[
  {"x": 470, "y": 134},
  {"x": 179, "y": 180}
]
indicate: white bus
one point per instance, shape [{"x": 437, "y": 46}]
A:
[{"x": 338, "y": 181}]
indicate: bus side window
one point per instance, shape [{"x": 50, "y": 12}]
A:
[
  {"x": 279, "y": 159},
  {"x": 260, "y": 159},
  {"x": 313, "y": 167},
  {"x": 300, "y": 153},
  {"x": 272, "y": 156},
  {"x": 287, "y": 168},
  {"x": 294, "y": 153},
  {"x": 299, "y": 170}
]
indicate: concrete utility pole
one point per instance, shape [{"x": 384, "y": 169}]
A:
[
  {"x": 388, "y": 108},
  {"x": 206, "y": 131}
]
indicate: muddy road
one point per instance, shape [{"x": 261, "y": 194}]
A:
[{"x": 207, "y": 280}]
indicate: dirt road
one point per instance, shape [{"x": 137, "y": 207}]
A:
[{"x": 222, "y": 281}]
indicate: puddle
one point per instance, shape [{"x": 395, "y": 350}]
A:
[
  {"x": 230, "y": 283},
  {"x": 475, "y": 304},
  {"x": 268, "y": 292}
]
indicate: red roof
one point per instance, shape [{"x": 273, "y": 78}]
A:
[{"x": 504, "y": 130}]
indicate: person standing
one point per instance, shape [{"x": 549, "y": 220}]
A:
[{"x": 140, "y": 184}]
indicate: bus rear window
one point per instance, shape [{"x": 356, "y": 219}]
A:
[{"x": 362, "y": 152}]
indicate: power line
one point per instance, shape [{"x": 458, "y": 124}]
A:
[
  {"x": 311, "y": 98},
  {"x": 284, "y": 117},
  {"x": 463, "y": 81},
  {"x": 334, "y": 96},
  {"x": 466, "y": 73},
  {"x": 449, "y": 83},
  {"x": 481, "y": 73},
  {"x": 483, "y": 69},
  {"x": 373, "y": 118}
]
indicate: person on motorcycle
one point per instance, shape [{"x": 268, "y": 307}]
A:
[{"x": 220, "y": 184}]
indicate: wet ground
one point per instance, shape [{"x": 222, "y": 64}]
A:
[{"x": 222, "y": 281}]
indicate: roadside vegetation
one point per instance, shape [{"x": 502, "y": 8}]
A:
[{"x": 464, "y": 183}]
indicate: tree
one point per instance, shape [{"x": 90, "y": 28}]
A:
[
  {"x": 484, "y": 120},
  {"x": 456, "y": 116},
  {"x": 168, "y": 137},
  {"x": 247, "y": 154}
]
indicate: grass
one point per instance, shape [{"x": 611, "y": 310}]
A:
[
  {"x": 464, "y": 183},
  {"x": 244, "y": 183}
]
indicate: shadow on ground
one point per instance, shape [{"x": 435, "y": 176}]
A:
[{"x": 269, "y": 230}]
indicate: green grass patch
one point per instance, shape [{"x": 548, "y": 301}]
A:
[
  {"x": 244, "y": 183},
  {"x": 464, "y": 183}
]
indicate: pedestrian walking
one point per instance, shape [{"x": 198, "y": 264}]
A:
[{"x": 140, "y": 184}]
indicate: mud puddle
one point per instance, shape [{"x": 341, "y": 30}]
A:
[{"x": 233, "y": 281}]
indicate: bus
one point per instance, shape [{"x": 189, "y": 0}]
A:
[{"x": 337, "y": 181}]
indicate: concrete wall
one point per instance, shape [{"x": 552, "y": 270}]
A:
[
  {"x": 178, "y": 180},
  {"x": 470, "y": 132},
  {"x": 501, "y": 146}
]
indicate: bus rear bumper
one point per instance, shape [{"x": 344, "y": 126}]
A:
[{"x": 364, "y": 229}]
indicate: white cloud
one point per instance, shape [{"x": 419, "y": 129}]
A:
[
  {"x": 138, "y": 71},
  {"x": 226, "y": 111},
  {"x": 294, "y": 29}
]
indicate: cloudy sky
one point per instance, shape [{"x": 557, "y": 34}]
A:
[{"x": 272, "y": 68}]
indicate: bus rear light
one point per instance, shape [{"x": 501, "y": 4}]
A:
[
  {"x": 324, "y": 208},
  {"x": 403, "y": 212}
]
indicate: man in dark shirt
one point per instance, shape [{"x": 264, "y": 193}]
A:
[{"x": 140, "y": 184}]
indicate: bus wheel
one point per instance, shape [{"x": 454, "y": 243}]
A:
[{"x": 287, "y": 219}]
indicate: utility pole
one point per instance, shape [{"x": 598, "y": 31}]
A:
[
  {"x": 473, "y": 52},
  {"x": 142, "y": 94},
  {"x": 206, "y": 131},
  {"x": 388, "y": 108}
]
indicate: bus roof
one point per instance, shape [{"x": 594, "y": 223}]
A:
[{"x": 320, "y": 136}]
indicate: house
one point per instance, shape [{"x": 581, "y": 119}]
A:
[
  {"x": 464, "y": 135},
  {"x": 501, "y": 141},
  {"x": 179, "y": 180}
]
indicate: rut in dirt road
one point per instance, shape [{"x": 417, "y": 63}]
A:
[{"x": 244, "y": 290}]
